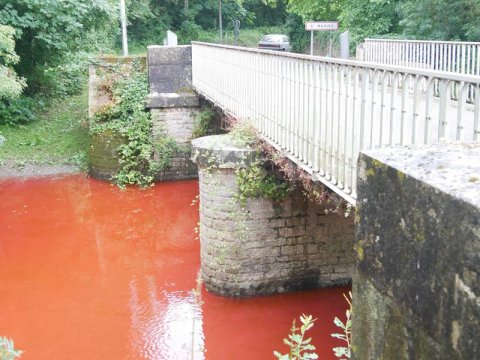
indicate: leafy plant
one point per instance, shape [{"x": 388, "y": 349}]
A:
[
  {"x": 7, "y": 349},
  {"x": 243, "y": 134},
  {"x": 11, "y": 86},
  {"x": 17, "y": 111},
  {"x": 202, "y": 123},
  {"x": 344, "y": 351},
  {"x": 300, "y": 348},
  {"x": 255, "y": 181},
  {"x": 299, "y": 38}
]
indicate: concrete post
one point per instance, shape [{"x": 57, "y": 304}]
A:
[{"x": 345, "y": 45}]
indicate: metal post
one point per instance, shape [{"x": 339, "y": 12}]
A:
[
  {"x": 236, "y": 31},
  {"x": 220, "y": 27},
  {"x": 123, "y": 20},
  {"x": 311, "y": 42},
  {"x": 330, "y": 51}
]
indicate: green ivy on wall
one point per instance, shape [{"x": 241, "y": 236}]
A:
[{"x": 142, "y": 156}]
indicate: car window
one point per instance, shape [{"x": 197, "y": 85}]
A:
[{"x": 272, "y": 38}]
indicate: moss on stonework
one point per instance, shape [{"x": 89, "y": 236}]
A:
[{"x": 360, "y": 253}]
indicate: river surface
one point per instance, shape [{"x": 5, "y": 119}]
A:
[{"x": 88, "y": 271}]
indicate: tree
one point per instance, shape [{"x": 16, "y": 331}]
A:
[
  {"x": 11, "y": 85},
  {"x": 368, "y": 18},
  {"x": 47, "y": 30},
  {"x": 440, "y": 19},
  {"x": 316, "y": 9}
]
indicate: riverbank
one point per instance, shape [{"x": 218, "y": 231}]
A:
[
  {"x": 11, "y": 169},
  {"x": 56, "y": 142}
]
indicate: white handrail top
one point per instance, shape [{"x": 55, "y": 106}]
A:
[{"x": 426, "y": 41}]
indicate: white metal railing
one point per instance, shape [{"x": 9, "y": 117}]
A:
[
  {"x": 452, "y": 56},
  {"x": 322, "y": 111}
]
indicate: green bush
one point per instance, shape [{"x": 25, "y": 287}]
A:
[
  {"x": 202, "y": 123},
  {"x": 17, "y": 111}
]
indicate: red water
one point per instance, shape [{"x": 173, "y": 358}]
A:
[{"x": 88, "y": 271}]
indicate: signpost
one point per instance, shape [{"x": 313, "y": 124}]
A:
[
  {"x": 320, "y": 26},
  {"x": 123, "y": 20}
]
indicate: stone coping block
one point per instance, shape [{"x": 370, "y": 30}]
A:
[
  {"x": 169, "y": 100},
  {"x": 168, "y": 55},
  {"x": 451, "y": 168},
  {"x": 416, "y": 289},
  {"x": 222, "y": 151},
  {"x": 170, "y": 69}
]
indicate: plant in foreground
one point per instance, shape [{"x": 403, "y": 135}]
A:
[
  {"x": 300, "y": 348},
  {"x": 344, "y": 351},
  {"x": 7, "y": 349}
]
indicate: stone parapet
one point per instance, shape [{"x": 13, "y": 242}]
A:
[
  {"x": 263, "y": 246},
  {"x": 417, "y": 281}
]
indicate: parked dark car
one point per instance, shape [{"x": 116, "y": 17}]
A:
[{"x": 275, "y": 42}]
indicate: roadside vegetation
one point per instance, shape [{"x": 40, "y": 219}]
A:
[
  {"x": 58, "y": 136},
  {"x": 46, "y": 46}
]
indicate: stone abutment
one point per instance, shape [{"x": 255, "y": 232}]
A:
[{"x": 416, "y": 289}]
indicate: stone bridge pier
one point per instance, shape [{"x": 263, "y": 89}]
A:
[
  {"x": 264, "y": 246},
  {"x": 173, "y": 104}
]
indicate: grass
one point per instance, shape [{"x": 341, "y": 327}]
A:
[{"x": 59, "y": 136}]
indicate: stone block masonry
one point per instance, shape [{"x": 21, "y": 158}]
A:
[
  {"x": 264, "y": 247},
  {"x": 173, "y": 105},
  {"x": 177, "y": 122},
  {"x": 416, "y": 288}
]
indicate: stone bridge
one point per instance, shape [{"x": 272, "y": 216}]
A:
[{"x": 381, "y": 136}]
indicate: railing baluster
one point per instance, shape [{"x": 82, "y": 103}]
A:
[
  {"x": 476, "y": 114},
  {"x": 322, "y": 112},
  {"x": 428, "y": 103},
  {"x": 462, "y": 90}
]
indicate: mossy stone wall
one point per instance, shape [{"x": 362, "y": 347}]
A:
[
  {"x": 416, "y": 288},
  {"x": 103, "y": 157}
]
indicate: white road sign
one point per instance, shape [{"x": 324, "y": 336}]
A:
[{"x": 321, "y": 25}]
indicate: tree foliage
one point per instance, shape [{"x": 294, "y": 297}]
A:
[
  {"x": 11, "y": 85},
  {"x": 421, "y": 19},
  {"x": 316, "y": 9},
  {"x": 48, "y": 30},
  {"x": 440, "y": 19},
  {"x": 368, "y": 18}
]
